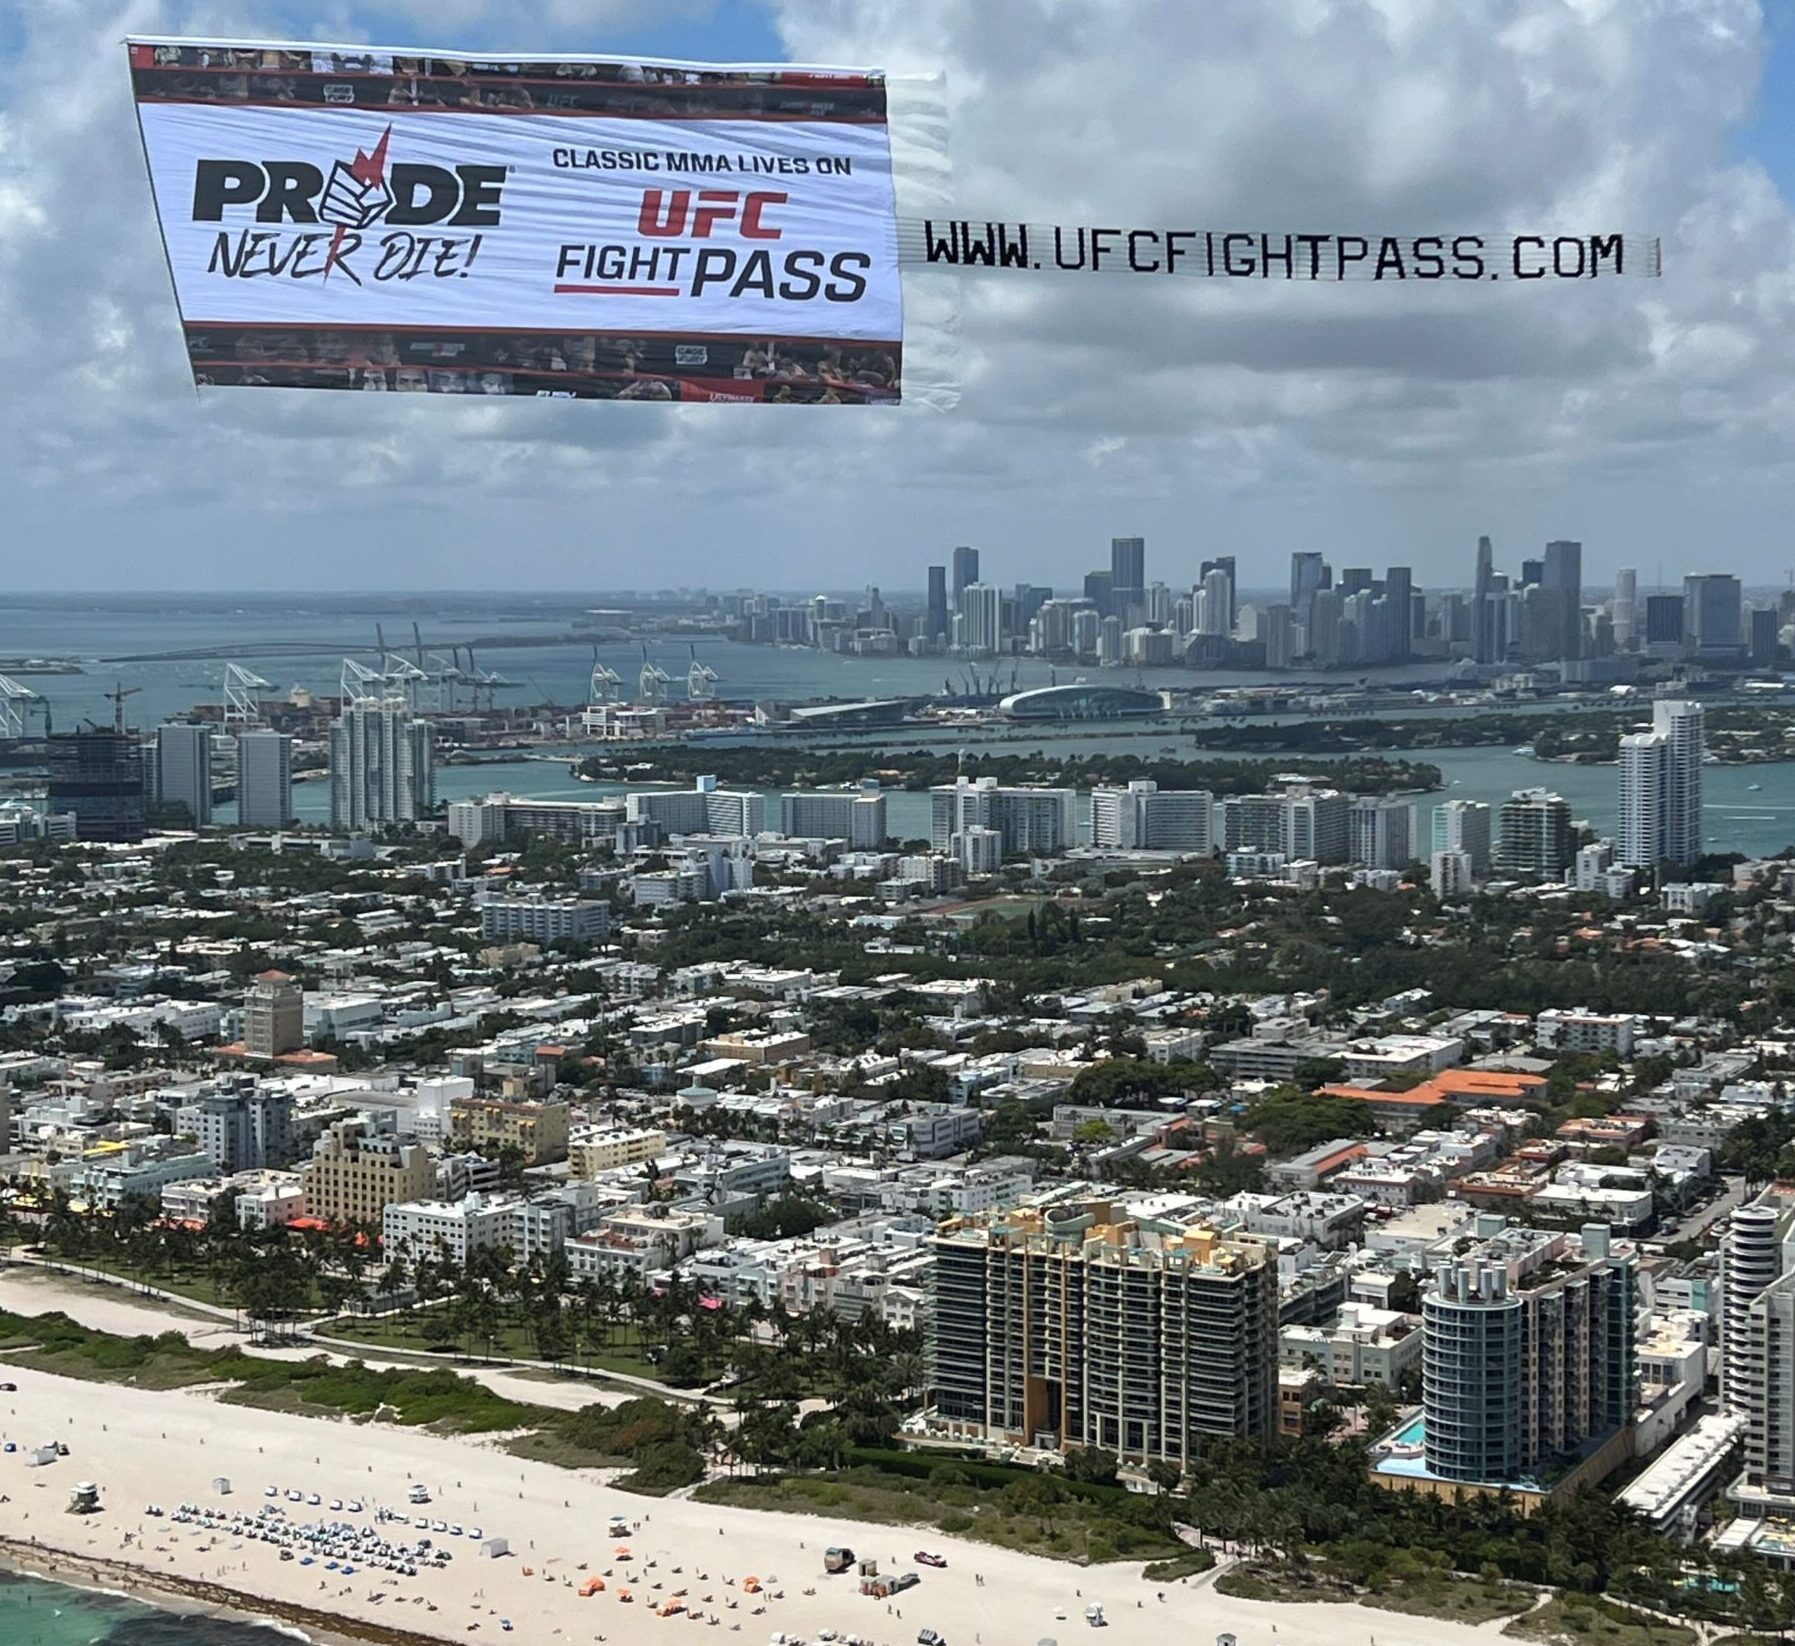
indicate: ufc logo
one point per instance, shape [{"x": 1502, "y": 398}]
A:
[{"x": 665, "y": 216}]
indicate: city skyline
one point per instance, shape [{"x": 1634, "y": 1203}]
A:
[{"x": 1641, "y": 417}]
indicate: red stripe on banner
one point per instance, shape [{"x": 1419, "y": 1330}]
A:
[{"x": 618, "y": 291}]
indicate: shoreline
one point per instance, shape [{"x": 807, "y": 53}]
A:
[{"x": 179, "y": 1596}]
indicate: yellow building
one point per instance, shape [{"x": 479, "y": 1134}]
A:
[
  {"x": 355, "y": 1173},
  {"x": 600, "y": 1151},
  {"x": 538, "y": 1131}
]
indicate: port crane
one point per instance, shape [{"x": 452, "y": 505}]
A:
[
  {"x": 701, "y": 680},
  {"x": 241, "y": 705},
  {"x": 653, "y": 682},
  {"x": 607, "y": 683},
  {"x": 17, "y": 703}
]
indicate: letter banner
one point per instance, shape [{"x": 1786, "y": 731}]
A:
[
  {"x": 976, "y": 243},
  {"x": 571, "y": 227}
]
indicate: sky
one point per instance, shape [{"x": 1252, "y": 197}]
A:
[{"x": 1652, "y": 419}]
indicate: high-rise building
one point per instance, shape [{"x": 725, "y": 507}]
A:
[
  {"x": 273, "y": 1017},
  {"x": 1761, "y": 635},
  {"x": 936, "y": 621},
  {"x": 1215, "y": 603},
  {"x": 98, "y": 776},
  {"x": 1145, "y": 817},
  {"x": 1399, "y": 614},
  {"x": 1661, "y": 789},
  {"x": 1316, "y": 825},
  {"x": 854, "y": 815},
  {"x": 1225, "y": 564},
  {"x": 1309, "y": 574},
  {"x": 264, "y": 779},
  {"x": 382, "y": 765},
  {"x": 1536, "y": 840},
  {"x": 1757, "y": 1347},
  {"x": 1639, "y": 836},
  {"x": 1713, "y": 624},
  {"x": 1483, "y": 647},
  {"x": 1381, "y": 832},
  {"x": 1683, "y": 725},
  {"x": 1029, "y": 819},
  {"x": 1109, "y": 642},
  {"x": 1278, "y": 631},
  {"x": 1527, "y": 1350},
  {"x": 1081, "y": 1327},
  {"x": 966, "y": 572},
  {"x": 1464, "y": 826},
  {"x": 1664, "y": 621},
  {"x": 705, "y": 808},
  {"x": 184, "y": 770},
  {"x": 1562, "y": 579},
  {"x": 1626, "y": 608},
  {"x": 982, "y": 605},
  {"x": 1127, "y": 573}
]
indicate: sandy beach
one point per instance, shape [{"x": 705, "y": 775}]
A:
[{"x": 142, "y": 1447}]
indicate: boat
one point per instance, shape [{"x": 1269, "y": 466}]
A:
[{"x": 1753, "y": 788}]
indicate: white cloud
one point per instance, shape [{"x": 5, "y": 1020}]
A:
[{"x": 1396, "y": 421}]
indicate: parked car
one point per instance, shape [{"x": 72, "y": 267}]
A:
[{"x": 924, "y": 1558}]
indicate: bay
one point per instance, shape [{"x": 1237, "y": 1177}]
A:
[{"x": 36, "y": 1612}]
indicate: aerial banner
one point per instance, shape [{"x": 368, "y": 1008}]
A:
[{"x": 577, "y": 228}]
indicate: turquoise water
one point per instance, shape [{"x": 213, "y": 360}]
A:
[{"x": 36, "y": 1613}]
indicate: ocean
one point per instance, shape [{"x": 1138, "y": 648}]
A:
[{"x": 34, "y": 1612}]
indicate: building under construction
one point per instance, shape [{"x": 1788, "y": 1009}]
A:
[{"x": 98, "y": 775}]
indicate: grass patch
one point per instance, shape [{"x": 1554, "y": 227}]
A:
[
  {"x": 1257, "y": 1580},
  {"x": 1188, "y": 1564},
  {"x": 625, "y": 1353},
  {"x": 1456, "y": 1598},
  {"x": 1029, "y": 1511},
  {"x": 1589, "y": 1620}
]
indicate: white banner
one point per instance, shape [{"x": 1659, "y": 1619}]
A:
[{"x": 522, "y": 226}]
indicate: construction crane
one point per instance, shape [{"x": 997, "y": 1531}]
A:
[
  {"x": 116, "y": 697},
  {"x": 241, "y": 705},
  {"x": 701, "y": 680},
  {"x": 653, "y": 682}
]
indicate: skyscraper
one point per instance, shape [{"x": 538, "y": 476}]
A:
[
  {"x": 1664, "y": 621},
  {"x": 1224, "y": 563},
  {"x": 1563, "y": 578},
  {"x": 1626, "y": 608},
  {"x": 982, "y": 604},
  {"x": 1481, "y": 586},
  {"x": 1215, "y": 603},
  {"x": 966, "y": 571},
  {"x": 1713, "y": 620},
  {"x": 1644, "y": 779},
  {"x": 936, "y": 621},
  {"x": 1309, "y": 574},
  {"x": 1399, "y": 616},
  {"x": 273, "y": 1016},
  {"x": 1683, "y": 725},
  {"x": 264, "y": 779},
  {"x": 382, "y": 765},
  {"x": 1127, "y": 571},
  {"x": 184, "y": 770}
]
